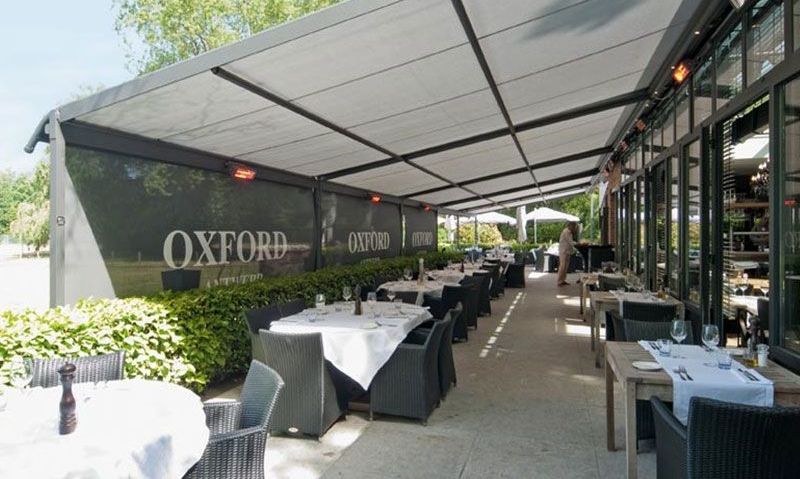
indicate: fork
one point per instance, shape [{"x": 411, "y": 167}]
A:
[
  {"x": 679, "y": 373},
  {"x": 684, "y": 371}
]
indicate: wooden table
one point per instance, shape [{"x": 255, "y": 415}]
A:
[
  {"x": 602, "y": 302},
  {"x": 637, "y": 384}
]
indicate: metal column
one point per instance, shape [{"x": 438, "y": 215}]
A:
[{"x": 58, "y": 179}]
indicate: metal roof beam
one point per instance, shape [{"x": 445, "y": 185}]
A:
[
  {"x": 466, "y": 24},
  {"x": 533, "y": 197},
  {"x": 554, "y": 162},
  {"x": 297, "y": 109},
  {"x": 575, "y": 176},
  {"x": 596, "y": 107}
]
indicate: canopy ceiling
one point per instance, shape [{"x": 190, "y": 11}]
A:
[{"x": 469, "y": 104}]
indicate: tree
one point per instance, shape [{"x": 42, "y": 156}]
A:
[
  {"x": 14, "y": 189},
  {"x": 174, "y": 30},
  {"x": 487, "y": 234},
  {"x": 31, "y": 224}
]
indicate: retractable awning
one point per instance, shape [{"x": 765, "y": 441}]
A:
[{"x": 470, "y": 105}]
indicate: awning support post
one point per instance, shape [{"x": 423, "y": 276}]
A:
[{"x": 58, "y": 180}]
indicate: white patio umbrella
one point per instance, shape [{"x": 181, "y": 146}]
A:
[
  {"x": 547, "y": 215},
  {"x": 496, "y": 218},
  {"x": 522, "y": 223}
]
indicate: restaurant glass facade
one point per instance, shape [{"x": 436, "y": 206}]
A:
[{"x": 714, "y": 192}]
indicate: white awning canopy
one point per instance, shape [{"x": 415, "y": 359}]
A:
[
  {"x": 469, "y": 105},
  {"x": 494, "y": 217},
  {"x": 544, "y": 214}
]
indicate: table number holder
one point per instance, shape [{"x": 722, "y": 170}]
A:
[{"x": 68, "y": 420}]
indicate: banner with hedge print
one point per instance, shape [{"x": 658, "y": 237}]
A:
[
  {"x": 420, "y": 230},
  {"x": 136, "y": 227},
  {"x": 355, "y": 229}
]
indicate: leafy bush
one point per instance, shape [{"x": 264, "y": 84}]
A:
[{"x": 190, "y": 338}]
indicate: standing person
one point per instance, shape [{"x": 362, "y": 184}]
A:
[{"x": 566, "y": 247}]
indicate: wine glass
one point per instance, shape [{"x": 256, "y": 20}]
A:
[
  {"x": 319, "y": 301},
  {"x": 710, "y": 336},
  {"x": 678, "y": 330},
  {"x": 21, "y": 372},
  {"x": 407, "y": 275},
  {"x": 391, "y": 295},
  {"x": 347, "y": 293},
  {"x": 372, "y": 301}
]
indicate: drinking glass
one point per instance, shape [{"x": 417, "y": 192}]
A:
[
  {"x": 711, "y": 336},
  {"x": 664, "y": 347},
  {"x": 319, "y": 301},
  {"x": 372, "y": 301},
  {"x": 347, "y": 293},
  {"x": 391, "y": 295},
  {"x": 724, "y": 360},
  {"x": 678, "y": 330},
  {"x": 407, "y": 275},
  {"x": 21, "y": 372}
]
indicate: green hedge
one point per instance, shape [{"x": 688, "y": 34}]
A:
[{"x": 190, "y": 338}]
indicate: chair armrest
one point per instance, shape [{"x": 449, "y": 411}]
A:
[
  {"x": 231, "y": 454},
  {"x": 223, "y": 416}
]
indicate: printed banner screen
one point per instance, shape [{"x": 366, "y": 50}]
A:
[
  {"x": 421, "y": 230},
  {"x": 355, "y": 229},
  {"x": 144, "y": 226}
]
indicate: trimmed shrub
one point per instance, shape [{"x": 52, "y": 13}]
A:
[{"x": 190, "y": 338}]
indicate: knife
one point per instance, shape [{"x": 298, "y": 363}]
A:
[{"x": 749, "y": 375}]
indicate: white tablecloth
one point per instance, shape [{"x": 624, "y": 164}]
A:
[
  {"x": 709, "y": 381},
  {"x": 433, "y": 288},
  {"x": 354, "y": 350},
  {"x": 132, "y": 429},
  {"x": 508, "y": 257},
  {"x": 749, "y": 302},
  {"x": 453, "y": 275}
]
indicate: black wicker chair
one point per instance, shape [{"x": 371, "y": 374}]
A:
[
  {"x": 408, "y": 297},
  {"x": 605, "y": 283},
  {"x": 239, "y": 429},
  {"x": 727, "y": 441},
  {"x": 258, "y": 319},
  {"x": 103, "y": 367},
  {"x": 408, "y": 384},
  {"x": 539, "y": 262},
  {"x": 484, "y": 298},
  {"x": 639, "y": 311},
  {"x": 653, "y": 330},
  {"x": 515, "y": 276},
  {"x": 472, "y": 293},
  {"x": 292, "y": 307},
  {"x": 446, "y": 364},
  {"x": 308, "y": 404},
  {"x": 451, "y": 296}
]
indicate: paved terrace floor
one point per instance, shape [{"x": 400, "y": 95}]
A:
[{"x": 529, "y": 404}]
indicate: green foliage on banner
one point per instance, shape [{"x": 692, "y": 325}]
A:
[{"x": 190, "y": 338}]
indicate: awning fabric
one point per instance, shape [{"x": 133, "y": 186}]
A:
[{"x": 404, "y": 76}]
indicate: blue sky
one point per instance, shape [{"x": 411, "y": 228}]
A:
[{"x": 48, "y": 50}]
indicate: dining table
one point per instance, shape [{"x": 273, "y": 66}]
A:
[
  {"x": 454, "y": 275},
  {"x": 430, "y": 287},
  {"x": 638, "y": 384},
  {"x": 603, "y": 302},
  {"x": 131, "y": 428},
  {"x": 357, "y": 345}
]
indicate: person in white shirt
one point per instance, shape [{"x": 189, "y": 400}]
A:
[{"x": 566, "y": 248}]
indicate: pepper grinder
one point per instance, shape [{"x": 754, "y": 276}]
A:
[{"x": 68, "y": 421}]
